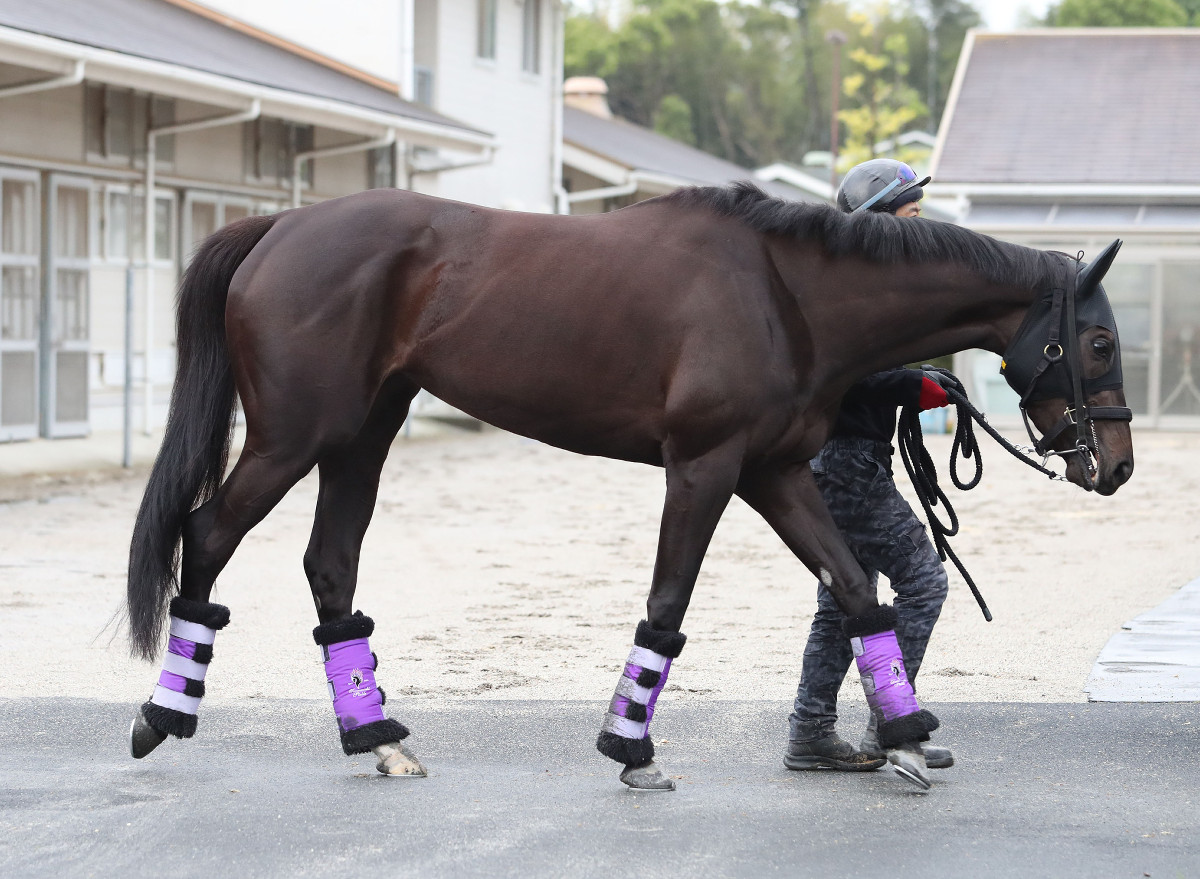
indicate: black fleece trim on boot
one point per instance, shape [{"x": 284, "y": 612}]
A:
[
  {"x": 648, "y": 678},
  {"x": 202, "y": 613},
  {"x": 366, "y": 737},
  {"x": 345, "y": 629},
  {"x": 914, "y": 727},
  {"x": 169, "y": 721},
  {"x": 630, "y": 752},
  {"x": 870, "y": 622},
  {"x": 668, "y": 644}
]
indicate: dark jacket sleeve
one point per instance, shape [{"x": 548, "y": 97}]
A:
[{"x": 891, "y": 388}]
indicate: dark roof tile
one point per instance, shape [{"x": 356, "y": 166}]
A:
[{"x": 1105, "y": 107}]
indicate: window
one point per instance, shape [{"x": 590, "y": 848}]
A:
[
  {"x": 270, "y": 147},
  {"x": 116, "y": 121},
  {"x": 123, "y": 234},
  {"x": 381, "y": 165},
  {"x": 206, "y": 212},
  {"x": 423, "y": 86},
  {"x": 19, "y": 294},
  {"x": 531, "y": 36},
  {"x": 485, "y": 43}
]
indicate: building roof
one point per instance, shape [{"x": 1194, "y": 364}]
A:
[
  {"x": 645, "y": 151},
  {"x": 164, "y": 32},
  {"x": 1099, "y": 107}
]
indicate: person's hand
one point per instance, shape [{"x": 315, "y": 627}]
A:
[
  {"x": 943, "y": 378},
  {"x": 933, "y": 389}
]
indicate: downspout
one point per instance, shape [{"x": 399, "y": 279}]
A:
[
  {"x": 387, "y": 140},
  {"x": 603, "y": 192},
  {"x": 254, "y": 111},
  {"x": 75, "y": 77},
  {"x": 561, "y": 201},
  {"x": 485, "y": 158},
  {"x": 408, "y": 64}
]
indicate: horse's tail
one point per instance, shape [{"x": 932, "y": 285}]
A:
[{"x": 195, "y": 449}]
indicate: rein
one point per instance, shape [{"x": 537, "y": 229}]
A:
[{"x": 923, "y": 473}]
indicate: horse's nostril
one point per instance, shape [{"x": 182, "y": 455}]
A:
[{"x": 1122, "y": 472}]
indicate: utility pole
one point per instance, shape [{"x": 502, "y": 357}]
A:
[{"x": 836, "y": 39}]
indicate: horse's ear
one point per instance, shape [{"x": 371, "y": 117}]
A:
[{"x": 1094, "y": 272}]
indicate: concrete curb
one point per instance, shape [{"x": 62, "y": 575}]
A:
[{"x": 1155, "y": 657}]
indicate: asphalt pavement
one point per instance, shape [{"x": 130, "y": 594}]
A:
[{"x": 517, "y": 789}]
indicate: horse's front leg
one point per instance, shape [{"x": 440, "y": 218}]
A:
[
  {"x": 788, "y": 499},
  {"x": 349, "y": 486},
  {"x": 698, "y": 490}
]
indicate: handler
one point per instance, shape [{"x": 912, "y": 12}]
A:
[{"x": 854, "y": 474}]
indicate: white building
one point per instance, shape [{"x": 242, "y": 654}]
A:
[
  {"x": 1065, "y": 139},
  {"x": 102, "y": 103},
  {"x": 495, "y": 64}
]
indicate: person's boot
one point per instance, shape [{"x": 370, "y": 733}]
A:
[
  {"x": 935, "y": 757},
  {"x": 830, "y": 752}
]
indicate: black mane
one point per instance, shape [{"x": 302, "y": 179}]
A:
[{"x": 873, "y": 236}]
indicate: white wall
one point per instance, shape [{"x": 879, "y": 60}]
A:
[
  {"x": 362, "y": 33},
  {"x": 497, "y": 97}
]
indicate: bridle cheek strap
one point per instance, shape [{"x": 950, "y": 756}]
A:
[{"x": 1079, "y": 416}]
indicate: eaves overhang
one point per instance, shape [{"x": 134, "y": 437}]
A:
[{"x": 56, "y": 57}]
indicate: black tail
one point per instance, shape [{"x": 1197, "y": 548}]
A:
[{"x": 195, "y": 448}]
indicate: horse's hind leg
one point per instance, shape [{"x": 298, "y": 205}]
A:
[
  {"x": 210, "y": 535},
  {"x": 698, "y": 491},
  {"x": 349, "y": 486},
  {"x": 788, "y": 499}
]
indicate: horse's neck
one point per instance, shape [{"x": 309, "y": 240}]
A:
[{"x": 886, "y": 316}]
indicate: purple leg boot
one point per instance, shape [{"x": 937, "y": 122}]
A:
[
  {"x": 902, "y": 723},
  {"x": 357, "y": 700}
]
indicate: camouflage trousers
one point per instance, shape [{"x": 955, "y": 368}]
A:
[{"x": 885, "y": 535}]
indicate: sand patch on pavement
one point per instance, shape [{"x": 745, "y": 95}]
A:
[{"x": 497, "y": 567}]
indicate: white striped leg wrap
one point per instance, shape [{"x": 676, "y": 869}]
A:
[
  {"x": 181, "y": 683},
  {"x": 632, "y": 701}
]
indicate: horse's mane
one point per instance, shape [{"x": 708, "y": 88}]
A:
[{"x": 873, "y": 236}]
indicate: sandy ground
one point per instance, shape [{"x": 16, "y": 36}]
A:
[{"x": 500, "y": 568}]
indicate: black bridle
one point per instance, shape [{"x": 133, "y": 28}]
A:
[{"x": 1058, "y": 370}]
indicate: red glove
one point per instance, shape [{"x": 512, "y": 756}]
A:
[{"x": 933, "y": 395}]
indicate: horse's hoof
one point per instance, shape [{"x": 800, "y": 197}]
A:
[
  {"x": 646, "y": 777},
  {"x": 910, "y": 765},
  {"x": 143, "y": 738},
  {"x": 396, "y": 760}
]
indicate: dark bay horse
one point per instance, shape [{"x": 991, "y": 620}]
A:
[{"x": 711, "y": 332}]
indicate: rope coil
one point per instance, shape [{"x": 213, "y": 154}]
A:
[{"x": 924, "y": 476}]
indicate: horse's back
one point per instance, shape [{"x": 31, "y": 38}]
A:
[{"x": 564, "y": 328}]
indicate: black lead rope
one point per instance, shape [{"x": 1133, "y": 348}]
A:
[{"x": 923, "y": 473}]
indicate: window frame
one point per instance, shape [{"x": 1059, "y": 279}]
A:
[{"x": 486, "y": 15}]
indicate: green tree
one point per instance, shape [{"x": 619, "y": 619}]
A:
[
  {"x": 674, "y": 119},
  {"x": 1117, "y": 13},
  {"x": 886, "y": 104},
  {"x": 752, "y": 79}
]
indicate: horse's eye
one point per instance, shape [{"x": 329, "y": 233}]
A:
[{"x": 1103, "y": 348}]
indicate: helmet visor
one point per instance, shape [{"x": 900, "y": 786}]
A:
[{"x": 905, "y": 177}]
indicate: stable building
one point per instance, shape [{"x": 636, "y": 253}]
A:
[
  {"x": 130, "y": 130},
  {"x": 1065, "y": 139},
  {"x": 610, "y": 163}
]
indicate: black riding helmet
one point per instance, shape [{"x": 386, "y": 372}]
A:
[{"x": 879, "y": 185}]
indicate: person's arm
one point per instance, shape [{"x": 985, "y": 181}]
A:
[{"x": 893, "y": 387}]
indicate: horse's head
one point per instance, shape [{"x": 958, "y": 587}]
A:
[{"x": 1065, "y": 362}]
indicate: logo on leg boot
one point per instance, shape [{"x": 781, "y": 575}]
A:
[
  {"x": 897, "y": 672},
  {"x": 356, "y": 684}
]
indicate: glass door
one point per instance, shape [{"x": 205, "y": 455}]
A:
[
  {"x": 68, "y": 309},
  {"x": 20, "y": 301},
  {"x": 1179, "y": 393}
]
